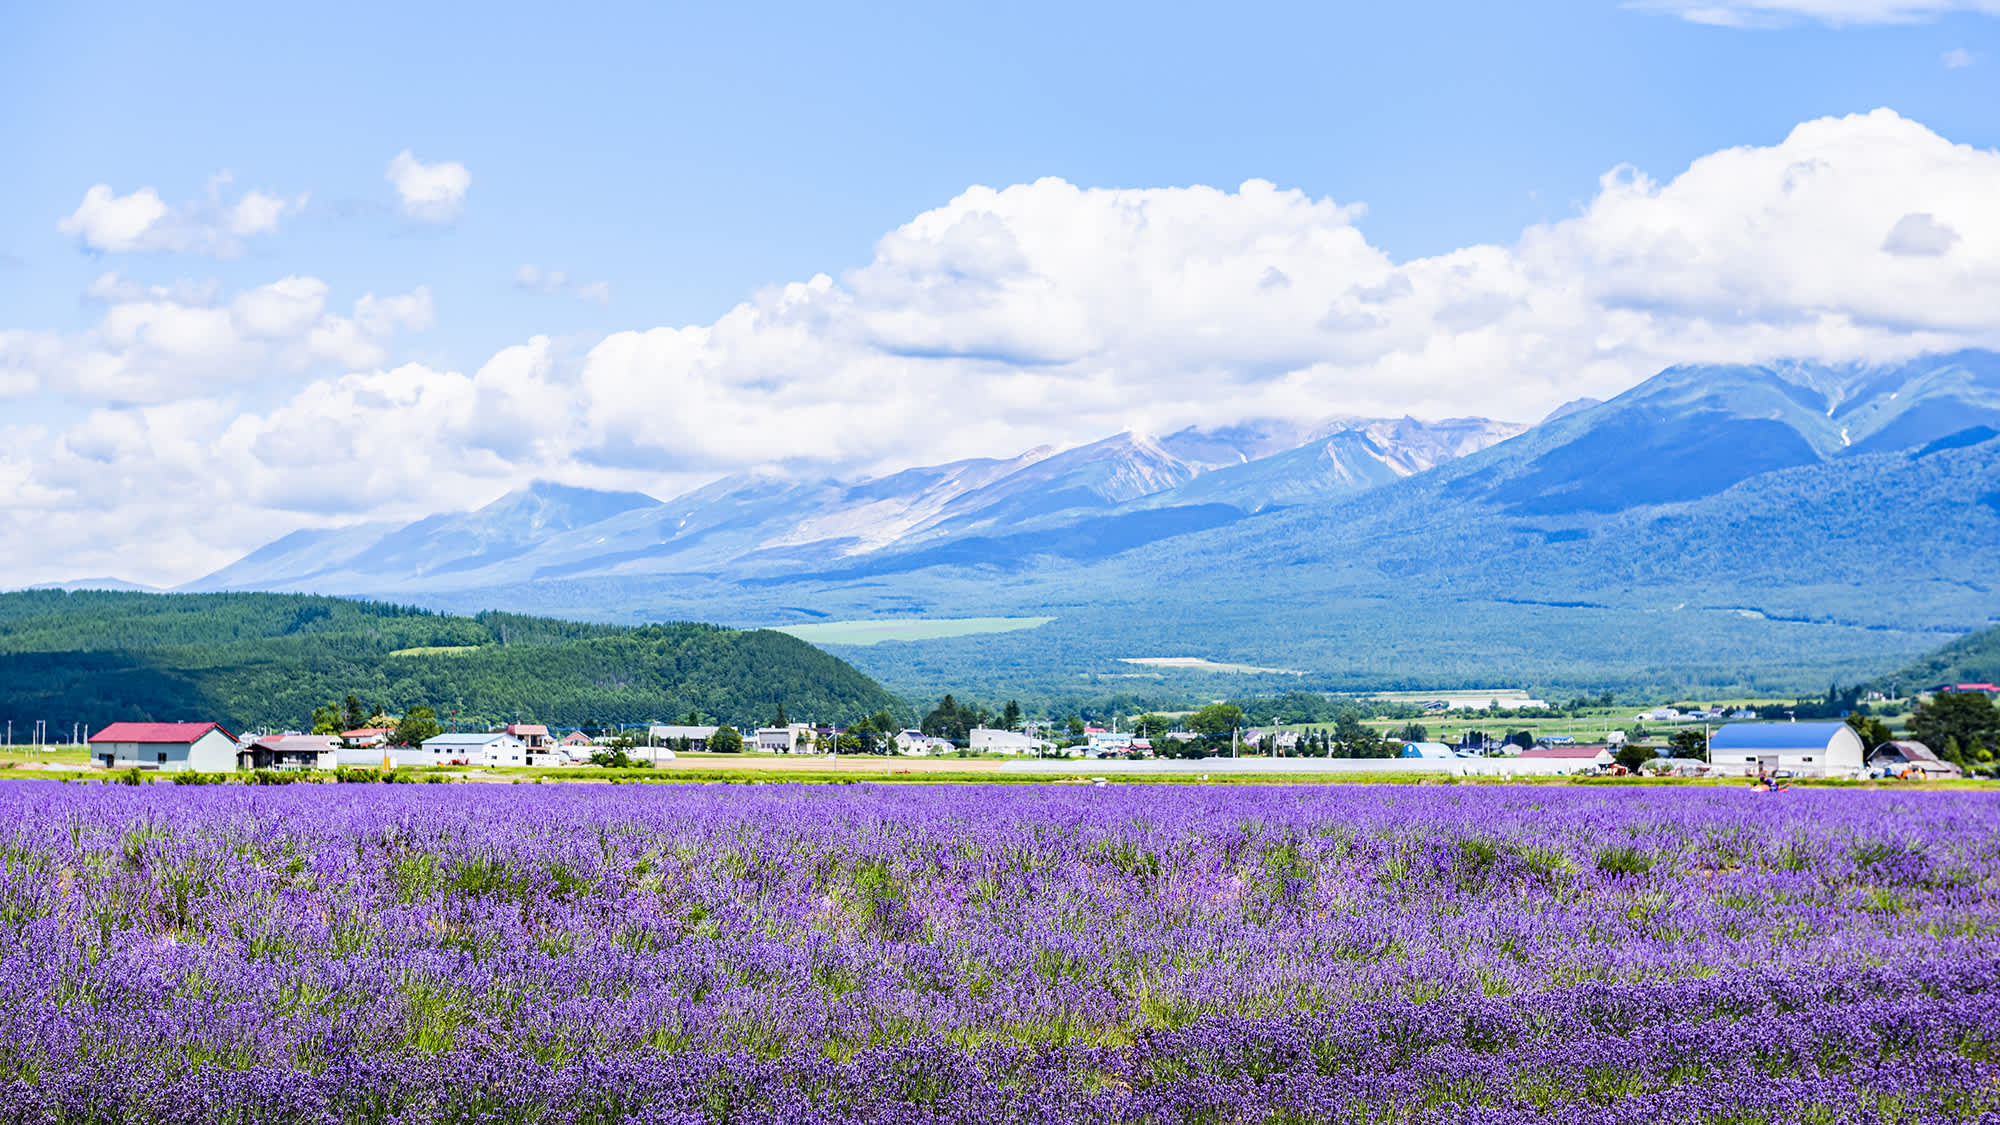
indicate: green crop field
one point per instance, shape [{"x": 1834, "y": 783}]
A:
[{"x": 906, "y": 629}]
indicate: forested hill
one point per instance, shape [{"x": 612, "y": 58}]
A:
[
  {"x": 1973, "y": 658},
  {"x": 254, "y": 660}
]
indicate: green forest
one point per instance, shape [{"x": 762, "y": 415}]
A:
[
  {"x": 1973, "y": 658},
  {"x": 267, "y": 660}
]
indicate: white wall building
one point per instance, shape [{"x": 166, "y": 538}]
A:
[
  {"x": 491, "y": 748},
  {"x": 988, "y": 741},
  {"x": 671, "y": 735},
  {"x": 1799, "y": 749},
  {"x": 206, "y": 747},
  {"x": 797, "y": 738}
]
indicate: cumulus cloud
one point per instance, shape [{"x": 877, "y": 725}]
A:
[
  {"x": 155, "y": 344},
  {"x": 214, "y": 224},
  {"x": 1838, "y": 13},
  {"x": 1052, "y": 313},
  {"x": 534, "y": 279},
  {"x": 430, "y": 193},
  {"x": 1958, "y": 58}
]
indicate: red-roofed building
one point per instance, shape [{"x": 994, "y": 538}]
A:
[
  {"x": 534, "y": 736},
  {"x": 164, "y": 746},
  {"x": 1581, "y": 757},
  {"x": 366, "y": 738}
]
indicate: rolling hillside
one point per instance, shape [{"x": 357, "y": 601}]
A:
[{"x": 252, "y": 660}]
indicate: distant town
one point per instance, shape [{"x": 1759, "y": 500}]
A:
[{"x": 1947, "y": 732}]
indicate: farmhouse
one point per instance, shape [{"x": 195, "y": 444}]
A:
[
  {"x": 534, "y": 736},
  {"x": 1799, "y": 749},
  {"x": 1911, "y": 759},
  {"x": 165, "y": 746},
  {"x": 366, "y": 738},
  {"x": 494, "y": 748},
  {"x": 288, "y": 752},
  {"x": 917, "y": 742}
]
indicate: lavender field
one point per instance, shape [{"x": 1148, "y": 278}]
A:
[{"x": 364, "y": 953}]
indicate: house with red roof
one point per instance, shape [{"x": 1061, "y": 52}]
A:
[
  {"x": 164, "y": 746},
  {"x": 366, "y": 738},
  {"x": 534, "y": 736}
]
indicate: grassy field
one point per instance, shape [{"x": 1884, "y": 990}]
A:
[{"x": 906, "y": 629}]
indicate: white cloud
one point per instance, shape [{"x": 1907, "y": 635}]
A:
[
  {"x": 1958, "y": 58},
  {"x": 158, "y": 344},
  {"x": 1038, "y": 313},
  {"x": 430, "y": 193},
  {"x": 534, "y": 279},
  {"x": 1838, "y": 13},
  {"x": 141, "y": 223}
]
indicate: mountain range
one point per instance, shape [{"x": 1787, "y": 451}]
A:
[{"x": 1718, "y": 527}]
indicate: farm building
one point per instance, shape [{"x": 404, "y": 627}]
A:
[
  {"x": 164, "y": 746},
  {"x": 1570, "y": 757},
  {"x": 673, "y": 735},
  {"x": 1427, "y": 750},
  {"x": 988, "y": 741},
  {"x": 494, "y": 748},
  {"x": 918, "y": 743},
  {"x": 1798, "y": 749},
  {"x": 534, "y": 736},
  {"x": 794, "y": 739},
  {"x": 1905, "y": 758},
  {"x": 366, "y": 738},
  {"x": 289, "y": 752}
]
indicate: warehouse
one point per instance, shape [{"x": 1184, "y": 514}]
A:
[
  {"x": 1794, "y": 749},
  {"x": 164, "y": 746}
]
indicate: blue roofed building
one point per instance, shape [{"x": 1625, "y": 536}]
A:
[{"x": 1798, "y": 749}]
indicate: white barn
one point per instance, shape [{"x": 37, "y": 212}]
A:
[
  {"x": 206, "y": 747},
  {"x": 1798, "y": 749},
  {"x": 988, "y": 741},
  {"x": 490, "y": 748}
]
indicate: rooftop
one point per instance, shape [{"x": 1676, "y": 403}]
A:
[{"x": 158, "y": 732}]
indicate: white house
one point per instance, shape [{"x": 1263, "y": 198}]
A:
[
  {"x": 164, "y": 746},
  {"x": 916, "y": 742},
  {"x": 796, "y": 738},
  {"x": 1799, "y": 749},
  {"x": 490, "y": 748},
  {"x": 366, "y": 738},
  {"x": 986, "y": 740},
  {"x": 1108, "y": 742},
  {"x": 534, "y": 736}
]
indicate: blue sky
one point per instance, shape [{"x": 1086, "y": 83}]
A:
[{"x": 675, "y": 162}]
